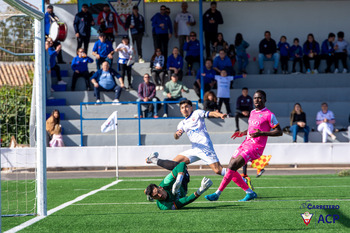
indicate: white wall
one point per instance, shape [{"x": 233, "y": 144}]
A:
[
  {"x": 282, "y": 153},
  {"x": 289, "y": 18}
]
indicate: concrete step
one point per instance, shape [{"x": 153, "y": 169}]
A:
[
  {"x": 273, "y": 95},
  {"x": 136, "y": 79},
  {"x": 72, "y": 112},
  {"x": 280, "y": 109},
  {"x": 160, "y": 125},
  {"x": 166, "y": 125},
  {"x": 76, "y": 97},
  {"x": 281, "y": 81},
  {"x": 108, "y": 139}
]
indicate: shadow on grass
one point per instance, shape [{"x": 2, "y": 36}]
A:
[{"x": 343, "y": 219}]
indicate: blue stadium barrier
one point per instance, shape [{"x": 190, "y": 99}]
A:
[
  {"x": 59, "y": 87},
  {"x": 55, "y": 102},
  {"x": 137, "y": 119},
  {"x": 64, "y": 73}
]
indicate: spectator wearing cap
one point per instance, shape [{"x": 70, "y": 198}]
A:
[
  {"x": 103, "y": 50},
  {"x": 108, "y": 23},
  {"x": 103, "y": 80},
  {"x": 50, "y": 17},
  {"x": 136, "y": 23},
  {"x": 163, "y": 29},
  {"x": 82, "y": 27},
  {"x": 211, "y": 20},
  {"x": 173, "y": 91},
  {"x": 182, "y": 26}
]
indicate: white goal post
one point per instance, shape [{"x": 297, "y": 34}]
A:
[{"x": 40, "y": 98}]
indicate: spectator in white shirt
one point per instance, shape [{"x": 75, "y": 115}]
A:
[
  {"x": 124, "y": 52},
  {"x": 182, "y": 26},
  {"x": 325, "y": 120}
]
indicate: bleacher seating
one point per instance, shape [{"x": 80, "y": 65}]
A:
[{"x": 282, "y": 92}]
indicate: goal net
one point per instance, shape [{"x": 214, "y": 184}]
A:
[{"x": 18, "y": 145}]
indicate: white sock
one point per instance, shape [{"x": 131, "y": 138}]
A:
[
  {"x": 218, "y": 192},
  {"x": 249, "y": 191},
  {"x": 154, "y": 160},
  {"x": 223, "y": 171}
]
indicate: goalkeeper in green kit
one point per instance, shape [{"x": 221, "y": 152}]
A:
[{"x": 171, "y": 192}]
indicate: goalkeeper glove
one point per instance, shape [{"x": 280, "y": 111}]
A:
[
  {"x": 177, "y": 184},
  {"x": 205, "y": 185}
]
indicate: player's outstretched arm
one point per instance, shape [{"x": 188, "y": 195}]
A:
[
  {"x": 178, "y": 134},
  {"x": 238, "y": 134},
  {"x": 217, "y": 115},
  {"x": 277, "y": 131},
  {"x": 205, "y": 185}
]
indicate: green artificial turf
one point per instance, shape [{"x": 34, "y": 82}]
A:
[{"x": 123, "y": 207}]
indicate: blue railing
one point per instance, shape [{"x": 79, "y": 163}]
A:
[{"x": 82, "y": 119}]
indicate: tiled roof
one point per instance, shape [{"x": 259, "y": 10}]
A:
[{"x": 15, "y": 73}]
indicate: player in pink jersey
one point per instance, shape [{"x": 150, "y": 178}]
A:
[{"x": 261, "y": 121}]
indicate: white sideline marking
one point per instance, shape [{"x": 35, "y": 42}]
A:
[
  {"x": 64, "y": 205},
  {"x": 287, "y": 187},
  {"x": 203, "y": 202},
  {"x": 260, "y": 178}
]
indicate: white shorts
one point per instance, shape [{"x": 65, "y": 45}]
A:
[{"x": 196, "y": 154}]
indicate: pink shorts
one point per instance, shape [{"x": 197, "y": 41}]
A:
[{"x": 248, "y": 151}]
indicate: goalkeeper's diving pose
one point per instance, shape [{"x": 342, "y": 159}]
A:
[{"x": 171, "y": 192}]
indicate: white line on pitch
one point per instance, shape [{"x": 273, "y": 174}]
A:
[
  {"x": 206, "y": 202},
  {"x": 64, "y": 205},
  {"x": 260, "y": 178},
  {"x": 287, "y": 187}
]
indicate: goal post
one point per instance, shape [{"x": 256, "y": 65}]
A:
[{"x": 40, "y": 99}]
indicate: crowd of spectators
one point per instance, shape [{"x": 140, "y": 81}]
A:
[{"x": 218, "y": 72}]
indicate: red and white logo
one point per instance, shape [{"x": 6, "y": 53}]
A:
[{"x": 306, "y": 217}]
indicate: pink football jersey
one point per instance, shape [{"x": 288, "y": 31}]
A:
[{"x": 264, "y": 120}]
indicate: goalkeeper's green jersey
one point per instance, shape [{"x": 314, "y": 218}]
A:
[{"x": 172, "y": 202}]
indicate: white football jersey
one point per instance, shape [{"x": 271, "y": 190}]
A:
[{"x": 196, "y": 130}]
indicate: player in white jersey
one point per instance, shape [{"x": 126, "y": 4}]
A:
[{"x": 202, "y": 147}]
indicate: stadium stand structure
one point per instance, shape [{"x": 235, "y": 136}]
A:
[{"x": 283, "y": 91}]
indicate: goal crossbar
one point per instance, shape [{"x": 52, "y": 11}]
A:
[{"x": 26, "y": 9}]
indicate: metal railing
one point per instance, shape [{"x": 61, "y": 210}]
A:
[{"x": 82, "y": 119}]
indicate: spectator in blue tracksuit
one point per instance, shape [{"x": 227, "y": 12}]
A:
[
  {"x": 82, "y": 27},
  {"x": 80, "y": 68},
  {"x": 103, "y": 51},
  {"x": 223, "y": 62},
  {"x": 175, "y": 64},
  {"x": 103, "y": 80},
  {"x": 208, "y": 78},
  {"x": 163, "y": 30},
  {"x": 283, "y": 47},
  {"x": 311, "y": 50},
  {"x": 296, "y": 54},
  {"x": 192, "y": 49},
  {"x": 327, "y": 51},
  {"x": 53, "y": 65}
]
